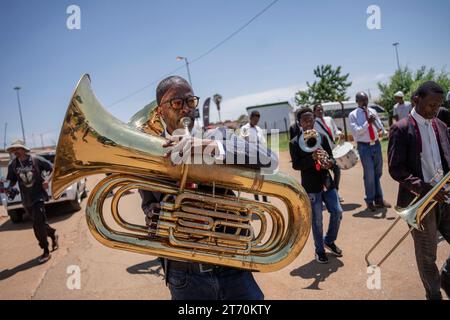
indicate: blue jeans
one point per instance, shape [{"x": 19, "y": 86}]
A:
[
  {"x": 372, "y": 161},
  {"x": 331, "y": 199},
  {"x": 219, "y": 284}
]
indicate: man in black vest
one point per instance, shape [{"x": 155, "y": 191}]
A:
[{"x": 26, "y": 170}]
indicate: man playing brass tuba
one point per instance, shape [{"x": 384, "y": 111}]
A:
[{"x": 191, "y": 280}]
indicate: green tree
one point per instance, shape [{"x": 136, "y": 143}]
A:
[
  {"x": 407, "y": 81},
  {"x": 330, "y": 86}
]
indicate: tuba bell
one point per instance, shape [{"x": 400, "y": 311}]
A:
[{"x": 191, "y": 222}]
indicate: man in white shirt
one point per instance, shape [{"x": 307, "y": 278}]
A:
[
  {"x": 254, "y": 134},
  {"x": 327, "y": 127},
  {"x": 419, "y": 154},
  {"x": 401, "y": 108},
  {"x": 251, "y": 131},
  {"x": 365, "y": 126}
]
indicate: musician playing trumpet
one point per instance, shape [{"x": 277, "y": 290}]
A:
[{"x": 312, "y": 155}]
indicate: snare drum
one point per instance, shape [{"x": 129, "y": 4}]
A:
[{"x": 345, "y": 155}]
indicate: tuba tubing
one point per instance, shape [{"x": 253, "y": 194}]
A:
[{"x": 92, "y": 141}]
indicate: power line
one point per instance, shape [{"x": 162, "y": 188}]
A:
[
  {"x": 142, "y": 89},
  {"x": 200, "y": 56},
  {"x": 235, "y": 32}
]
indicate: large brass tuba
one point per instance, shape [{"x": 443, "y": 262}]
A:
[{"x": 191, "y": 224}]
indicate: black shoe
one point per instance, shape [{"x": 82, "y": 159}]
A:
[
  {"x": 371, "y": 207},
  {"x": 321, "y": 258},
  {"x": 55, "y": 244},
  {"x": 44, "y": 258},
  {"x": 382, "y": 204},
  {"x": 334, "y": 249}
]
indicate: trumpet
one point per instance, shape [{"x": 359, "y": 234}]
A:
[
  {"x": 311, "y": 141},
  {"x": 413, "y": 215}
]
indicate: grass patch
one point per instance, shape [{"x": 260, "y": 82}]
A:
[{"x": 283, "y": 141}]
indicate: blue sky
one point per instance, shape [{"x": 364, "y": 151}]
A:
[{"x": 126, "y": 45}]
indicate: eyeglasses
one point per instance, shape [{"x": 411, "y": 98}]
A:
[{"x": 177, "y": 103}]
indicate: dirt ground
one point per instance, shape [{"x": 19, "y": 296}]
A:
[{"x": 113, "y": 274}]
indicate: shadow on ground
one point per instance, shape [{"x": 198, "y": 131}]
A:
[
  {"x": 350, "y": 206},
  {"x": 377, "y": 214},
  {"x": 55, "y": 212},
  {"x": 152, "y": 267},
  {"x": 7, "y": 273},
  {"x": 318, "y": 272}
]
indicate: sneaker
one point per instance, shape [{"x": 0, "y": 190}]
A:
[
  {"x": 341, "y": 200},
  {"x": 371, "y": 207},
  {"x": 321, "y": 258},
  {"x": 383, "y": 204},
  {"x": 55, "y": 244},
  {"x": 334, "y": 249},
  {"x": 44, "y": 258}
]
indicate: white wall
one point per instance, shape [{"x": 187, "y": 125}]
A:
[{"x": 274, "y": 116}]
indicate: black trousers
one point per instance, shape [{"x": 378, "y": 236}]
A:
[
  {"x": 42, "y": 229},
  {"x": 425, "y": 243}
]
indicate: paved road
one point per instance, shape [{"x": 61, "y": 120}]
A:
[{"x": 114, "y": 274}]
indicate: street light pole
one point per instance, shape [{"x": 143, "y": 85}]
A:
[
  {"x": 4, "y": 137},
  {"x": 20, "y": 113},
  {"x": 187, "y": 67},
  {"x": 395, "y": 44}
]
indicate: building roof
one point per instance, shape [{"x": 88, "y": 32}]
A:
[{"x": 270, "y": 105}]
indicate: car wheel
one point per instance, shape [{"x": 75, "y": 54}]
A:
[
  {"x": 16, "y": 215},
  {"x": 84, "y": 194},
  {"x": 75, "y": 204}
]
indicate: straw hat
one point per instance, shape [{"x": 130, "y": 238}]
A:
[{"x": 17, "y": 144}]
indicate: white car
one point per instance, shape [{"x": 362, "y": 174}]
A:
[{"x": 72, "y": 196}]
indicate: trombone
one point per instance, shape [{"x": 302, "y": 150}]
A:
[{"x": 413, "y": 215}]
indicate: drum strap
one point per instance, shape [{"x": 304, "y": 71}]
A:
[{"x": 326, "y": 129}]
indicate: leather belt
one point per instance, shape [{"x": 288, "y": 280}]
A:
[
  {"x": 372, "y": 143},
  {"x": 194, "y": 266}
]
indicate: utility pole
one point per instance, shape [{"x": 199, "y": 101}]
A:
[
  {"x": 42, "y": 141},
  {"x": 34, "y": 141},
  {"x": 395, "y": 44},
  {"x": 4, "y": 137},
  {"x": 187, "y": 67},
  {"x": 20, "y": 113}
]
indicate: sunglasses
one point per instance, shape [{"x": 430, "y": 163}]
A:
[{"x": 177, "y": 103}]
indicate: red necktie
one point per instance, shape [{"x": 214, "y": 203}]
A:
[
  {"x": 371, "y": 131},
  {"x": 326, "y": 127}
]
